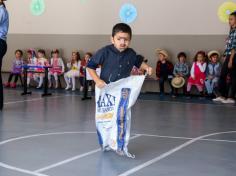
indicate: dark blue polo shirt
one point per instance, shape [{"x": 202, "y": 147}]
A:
[{"x": 115, "y": 64}]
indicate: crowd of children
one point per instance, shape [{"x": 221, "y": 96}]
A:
[
  {"x": 204, "y": 74},
  {"x": 36, "y": 72}
]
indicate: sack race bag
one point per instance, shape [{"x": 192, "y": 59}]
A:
[{"x": 113, "y": 113}]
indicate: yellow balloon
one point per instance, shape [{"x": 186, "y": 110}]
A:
[{"x": 225, "y": 10}]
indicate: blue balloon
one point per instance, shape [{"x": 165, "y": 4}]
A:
[{"x": 128, "y": 13}]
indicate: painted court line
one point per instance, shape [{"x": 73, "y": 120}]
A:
[
  {"x": 170, "y": 152},
  {"x": 33, "y": 99},
  {"x": 187, "y": 138},
  {"x": 74, "y": 158},
  {"x": 192, "y": 140},
  {"x": 20, "y": 170}
]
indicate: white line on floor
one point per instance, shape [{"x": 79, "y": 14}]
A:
[
  {"x": 33, "y": 99},
  {"x": 191, "y": 103},
  {"x": 174, "y": 150},
  {"x": 20, "y": 170},
  {"x": 74, "y": 158},
  {"x": 93, "y": 132},
  {"x": 187, "y": 138}
]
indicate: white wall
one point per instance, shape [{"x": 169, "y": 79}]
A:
[{"x": 158, "y": 17}]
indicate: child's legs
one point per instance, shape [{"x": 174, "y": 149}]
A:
[
  {"x": 10, "y": 77},
  {"x": 73, "y": 76},
  {"x": 50, "y": 77},
  {"x": 172, "y": 88},
  {"x": 233, "y": 86},
  {"x": 189, "y": 87},
  {"x": 41, "y": 76},
  {"x": 29, "y": 76},
  {"x": 161, "y": 84},
  {"x": 208, "y": 84},
  {"x": 16, "y": 78},
  {"x": 81, "y": 80},
  {"x": 199, "y": 88},
  {"x": 67, "y": 79},
  {"x": 222, "y": 81}
]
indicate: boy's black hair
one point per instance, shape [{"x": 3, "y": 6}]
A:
[
  {"x": 233, "y": 14},
  {"x": 182, "y": 54},
  {"x": 122, "y": 27},
  {"x": 20, "y": 51}
]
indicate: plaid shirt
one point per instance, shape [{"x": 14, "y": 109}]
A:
[
  {"x": 164, "y": 70},
  {"x": 230, "y": 42},
  {"x": 181, "y": 68}
]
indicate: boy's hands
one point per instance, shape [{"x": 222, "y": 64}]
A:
[
  {"x": 100, "y": 83},
  {"x": 149, "y": 71}
]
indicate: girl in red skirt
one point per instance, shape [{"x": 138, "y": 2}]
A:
[{"x": 198, "y": 76}]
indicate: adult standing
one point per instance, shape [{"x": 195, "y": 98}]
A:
[
  {"x": 4, "y": 25},
  {"x": 228, "y": 71}
]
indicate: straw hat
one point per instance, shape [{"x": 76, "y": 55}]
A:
[
  {"x": 161, "y": 51},
  {"x": 213, "y": 52},
  {"x": 178, "y": 82}
]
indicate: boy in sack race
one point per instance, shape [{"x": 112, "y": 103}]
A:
[{"x": 116, "y": 90}]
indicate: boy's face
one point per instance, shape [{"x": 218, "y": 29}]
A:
[
  {"x": 121, "y": 41},
  {"x": 214, "y": 58},
  {"x": 18, "y": 55},
  {"x": 182, "y": 59},
  {"x": 161, "y": 57},
  {"x": 232, "y": 21}
]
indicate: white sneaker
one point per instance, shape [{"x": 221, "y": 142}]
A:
[
  {"x": 73, "y": 89},
  {"x": 218, "y": 99},
  {"x": 81, "y": 89},
  {"x": 228, "y": 101},
  {"x": 68, "y": 87}
]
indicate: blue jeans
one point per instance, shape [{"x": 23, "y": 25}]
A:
[
  {"x": 3, "y": 50},
  {"x": 162, "y": 84},
  {"x": 211, "y": 85}
]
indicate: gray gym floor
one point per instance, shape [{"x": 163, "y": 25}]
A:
[{"x": 55, "y": 136}]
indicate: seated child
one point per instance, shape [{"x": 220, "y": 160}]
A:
[
  {"x": 213, "y": 73},
  {"x": 197, "y": 74},
  {"x": 83, "y": 66},
  {"x": 74, "y": 66},
  {"x": 16, "y": 69},
  {"x": 41, "y": 61},
  {"x": 164, "y": 70},
  {"x": 58, "y": 68},
  {"x": 31, "y": 60},
  {"x": 181, "y": 69}
]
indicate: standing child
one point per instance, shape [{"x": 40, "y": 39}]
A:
[
  {"x": 164, "y": 70},
  {"x": 83, "y": 66},
  {"x": 31, "y": 61},
  {"x": 213, "y": 73},
  {"x": 74, "y": 66},
  {"x": 41, "y": 61},
  {"x": 181, "y": 71},
  {"x": 117, "y": 61},
  {"x": 58, "y": 68},
  {"x": 16, "y": 69},
  {"x": 197, "y": 74},
  {"x": 229, "y": 66}
]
